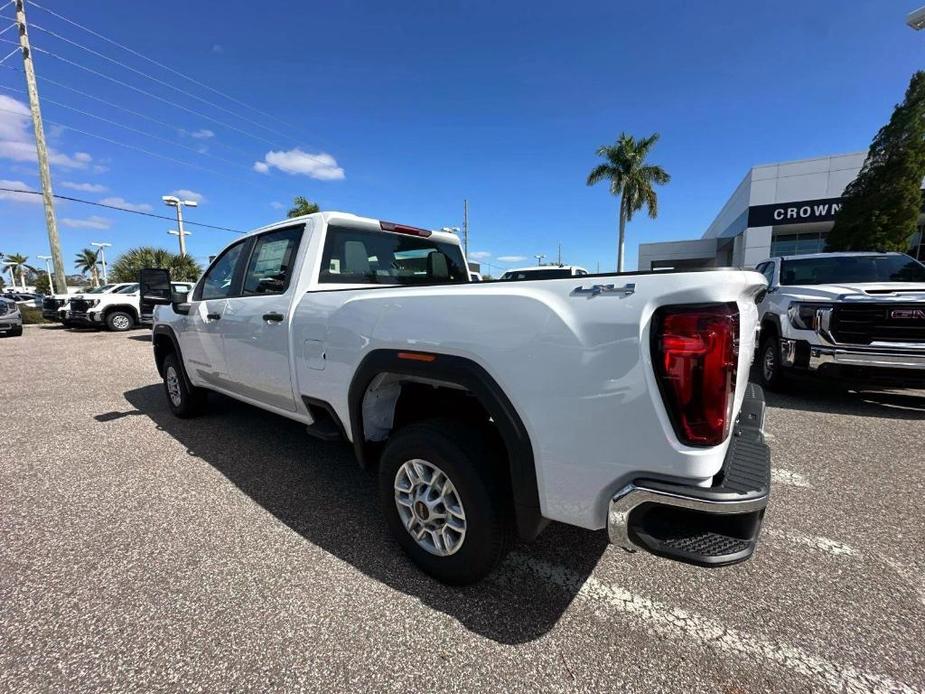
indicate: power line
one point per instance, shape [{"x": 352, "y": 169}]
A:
[
  {"x": 129, "y": 128},
  {"x": 8, "y": 55},
  {"x": 33, "y": 25},
  {"x": 152, "y": 95},
  {"x": 110, "y": 104},
  {"x": 160, "y": 65},
  {"x": 3, "y": 31},
  {"x": 123, "y": 209}
]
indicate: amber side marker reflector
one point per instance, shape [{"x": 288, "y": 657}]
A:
[{"x": 416, "y": 356}]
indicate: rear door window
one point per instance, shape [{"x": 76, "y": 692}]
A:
[{"x": 355, "y": 256}]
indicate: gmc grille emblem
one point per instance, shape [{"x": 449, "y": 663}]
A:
[{"x": 908, "y": 314}]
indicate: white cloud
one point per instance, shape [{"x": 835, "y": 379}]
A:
[
  {"x": 99, "y": 168},
  {"x": 16, "y": 141},
  {"x": 277, "y": 205},
  {"x": 84, "y": 187},
  {"x": 203, "y": 134},
  {"x": 125, "y": 205},
  {"x": 187, "y": 194},
  {"x": 480, "y": 255},
  {"x": 18, "y": 197},
  {"x": 321, "y": 166},
  {"x": 91, "y": 222},
  {"x": 511, "y": 258}
]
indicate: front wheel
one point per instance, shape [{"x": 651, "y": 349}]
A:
[
  {"x": 773, "y": 372},
  {"x": 441, "y": 492},
  {"x": 184, "y": 401},
  {"x": 119, "y": 321}
]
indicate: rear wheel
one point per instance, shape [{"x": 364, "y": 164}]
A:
[
  {"x": 442, "y": 492},
  {"x": 184, "y": 401},
  {"x": 773, "y": 372},
  {"x": 119, "y": 321}
]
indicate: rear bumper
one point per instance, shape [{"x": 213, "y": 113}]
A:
[{"x": 707, "y": 526}]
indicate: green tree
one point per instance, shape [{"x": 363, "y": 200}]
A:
[
  {"x": 42, "y": 286},
  {"x": 127, "y": 266},
  {"x": 86, "y": 261},
  {"x": 631, "y": 178},
  {"x": 881, "y": 206},
  {"x": 18, "y": 263},
  {"x": 301, "y": 206}
]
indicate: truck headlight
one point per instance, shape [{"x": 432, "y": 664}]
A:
[
  {"x": 93, "y": 302},
  {"x": 802, "y": 314}
]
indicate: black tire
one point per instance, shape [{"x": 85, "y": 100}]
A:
[
  {"x": 772, "y": 373},
  {"x": 185, "y": 401},
  {"x": 16, "y": 332},
  {"x": 120, "y": 321},
  {"x": 477, "y": 472}
]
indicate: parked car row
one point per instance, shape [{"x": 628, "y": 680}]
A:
[
  {"x": 10, "y": 318},
  {"x": 112, "y": 307}
]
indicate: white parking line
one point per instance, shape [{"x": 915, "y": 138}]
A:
[
  {"x": 823, "y": 544},
  {"x": 794, "y": 479},
  {"x": 677, "y": 623}
]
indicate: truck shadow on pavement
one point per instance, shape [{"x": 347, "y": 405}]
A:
[
  {"x": 834, "y": 400},
  {"x": 317, "y": 489}
]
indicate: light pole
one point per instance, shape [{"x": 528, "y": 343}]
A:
[
  {"x": 539, "y": 259},
  {"x": 101, "y": 246},
  {"x": 174, "y": 201},
  {"x": 180, "y": 234},
  {"x": 916, "y": 19},
  {"x": 51, "y": 284}
]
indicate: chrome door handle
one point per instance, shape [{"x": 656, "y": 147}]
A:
[{"x": 596, "y": 289}]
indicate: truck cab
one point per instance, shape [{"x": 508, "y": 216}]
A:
[{"x": 856, "y": 317}]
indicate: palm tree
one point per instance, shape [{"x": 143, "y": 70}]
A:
[
  {"x": 16, "y": 262},
  {"x": 86, "y": 261},
  {"x": 631, "y": 178},
  {"x": 302, "y": 205},
  {"x": 182, "y": 268}
]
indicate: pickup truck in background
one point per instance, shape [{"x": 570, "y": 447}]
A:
[
  {"x": 855, "y": 317},
  {"x": 488, "y": 408},
  {"x": 56, "y": 306},
  {"x": 117, "y": 310}
]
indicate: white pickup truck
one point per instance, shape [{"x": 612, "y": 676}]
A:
[
  {"x": 117, "y": 310},
  {"x": 488, "y": 408},
  {"x": 855, "y": 317}
]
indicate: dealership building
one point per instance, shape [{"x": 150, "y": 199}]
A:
[{"x": 777, "y": 209}]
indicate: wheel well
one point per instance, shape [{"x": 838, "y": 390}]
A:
[
  {"x": 163, "y": 346},
  {"x": 770, "y": 327}
]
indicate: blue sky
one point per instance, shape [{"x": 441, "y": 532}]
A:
[{"x": 407, "y": 108}]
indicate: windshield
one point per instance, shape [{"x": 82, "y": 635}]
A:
[
  {"x": 127, "y": 289},
  {"x": 852, "y": 270},
  {"x": 100, "y": 290},
  {"x": 539, "y": 274},
  {"x": 354, "y": 256}
]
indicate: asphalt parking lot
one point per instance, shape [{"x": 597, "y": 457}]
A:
[{"x": 233, "y": 552}]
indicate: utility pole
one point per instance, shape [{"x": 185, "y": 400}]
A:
[
  {"x": 44, "y": 172},
  {"x": 466, "y": 227},
  {"x": 559, "y": 254}
]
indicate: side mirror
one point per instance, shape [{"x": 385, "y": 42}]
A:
[{"x": 154, "y": 288}]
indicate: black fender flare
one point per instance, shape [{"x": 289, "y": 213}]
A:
[
  {"x": 469, "y": 375},
  {"x": 165, "y": 331},
  {"x": 774, "y": 320}
]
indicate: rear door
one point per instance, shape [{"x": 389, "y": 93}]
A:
[
  {"x": 255, "y": 323},
  {"x": 201, "y": 340}
]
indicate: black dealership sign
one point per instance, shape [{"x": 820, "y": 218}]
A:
[{"x": 794, "y": 212}]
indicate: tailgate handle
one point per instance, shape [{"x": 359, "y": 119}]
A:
[
  {"x": 276, "y": 317},
  {"x": 596, "y": 289}
]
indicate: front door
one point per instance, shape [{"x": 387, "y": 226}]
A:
[
  {"x": 255, "y": 323},
  {"x": 201, "y": 341}
]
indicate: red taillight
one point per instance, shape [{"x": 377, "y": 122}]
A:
[
  {"x": 404, "y": 229},
  {"x": 696, "y": 354}
]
